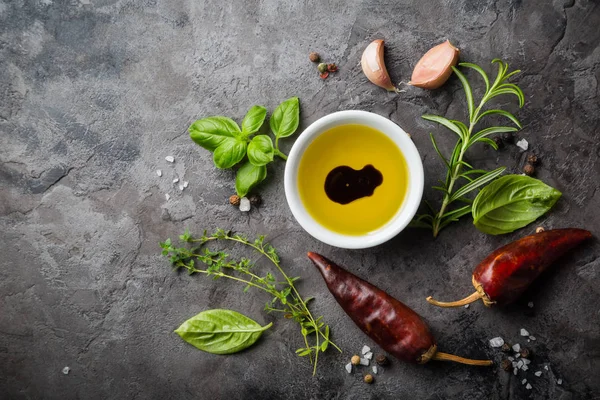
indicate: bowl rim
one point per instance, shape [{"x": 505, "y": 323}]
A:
[{"x": 409, "y": 206}]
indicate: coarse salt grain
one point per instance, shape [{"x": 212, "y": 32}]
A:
[
  {"x": 181, "y": 187},
  {"x": 158, "y": 172},
  {"x": 546, "y": 367},
  {"x": 511, "y": 358},
  {"x": 559, "y": 381},
  {"x": 517, "y": 355},
  {"x": 516, "y": 347},
  {"x": 369, "y": 356},
  {"x": 524, "y": 332},
  {"x": 466, "y": 306},
  {"x": 175, "y": 180},
  {"x": 365, "y": 349},
  {"x": 523, "y": 144},
  {"x": 244, "y": 204},
  {"x": 66, "y": 370},
  {"x": 520, "y": 364},
  {"x": 496, "y": 342},
  {"x": 526, "y": 361},
  {"x": 514, "y": 364},
  {"x": 528, "y": 387},
  {"x": 538, "y": 373},
  {"x": 531, "y": 337},
  {"x": 515, "y": 371},
  {"x": 185, "y": 184},
  {"x": 524, "y": 381},
  {"x": 364, "y": 361},
  {"x": 349, "y": 368},
  {"x": 170, "y": 159},
  {"x": 375, "y": 369},
  {"x": 524, "y": 367},
  {"x": 167, "y": 196}
]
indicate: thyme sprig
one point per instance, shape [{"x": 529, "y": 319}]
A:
[
  {"x": 286, "y": 298},
  {"x": 457, "y": 168}
]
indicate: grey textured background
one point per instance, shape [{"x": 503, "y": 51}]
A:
[{"x": 95, "y": 93}]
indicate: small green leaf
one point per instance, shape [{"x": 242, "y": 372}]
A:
[
  {"x": 480, "y": 181},
  {"x": 260, "y": 150},
  {"x": 253, "y": 120},
  {"x": 500, "y": 112},
  {"x": 468, "y": 91},
  {"x": 480, "y": 71},
  {"x": 221, "y": 331},
  {"x": 229, "y": 153},
  {"x": 285, "y": 119},
  {"x": 445, "y": 122},
  {"x": 211, "y": 132},
  {"x": 512, "y": 202},
  {"x": 248, "y": 176},
  {"x": 491, "y": 130}
]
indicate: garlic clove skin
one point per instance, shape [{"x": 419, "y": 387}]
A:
[
  {"x": 373, "y": 66},
  {"x": 435, "y": 67}
]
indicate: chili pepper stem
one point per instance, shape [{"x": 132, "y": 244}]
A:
[
  {"x": 467, "y": 300},
  {"x": 451, "y": 357}
]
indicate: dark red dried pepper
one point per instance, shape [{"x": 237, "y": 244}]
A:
[
  {"x": 505, "y": 274},
  {"x": 394, "y": 326}
]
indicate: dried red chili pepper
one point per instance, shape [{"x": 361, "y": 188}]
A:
[
  {"x": 503, "y": 275},
  {"x": 394, "y": 326}
]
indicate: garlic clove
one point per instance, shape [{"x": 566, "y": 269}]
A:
[
  {"x": 374, "y": 67},
  {"x": 435, "y": 67}
]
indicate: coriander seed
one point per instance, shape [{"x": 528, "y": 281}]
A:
[
  {"x": 506, "y": 348},
  {"x": 532, "y": 159},
  {"x": 381, "y": 359},
  {"x": 322, "y": 67},
  {"x": 369, "y": 378},
  {"x": 506, "y": 365},
  {"x": 528, "y": 169},
  {"x": 234, "y": 200},
  {"x": 525, "y": 353},
  {"x": 314, "y": 57},
  {"x": 355, "y": 360}
]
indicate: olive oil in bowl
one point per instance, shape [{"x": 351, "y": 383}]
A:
[{"x": 352, "y": 179}]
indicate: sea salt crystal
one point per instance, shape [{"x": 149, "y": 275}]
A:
[
  {"x": 528, "y": 387},
  {"x": 369, "y": 356},
  {"x": 514, "y": 364},
  {"x": 515, "y": 371},
  {"x": 185, "y": 184},
  {"x": 530, "y": 304},
  {"x": 181, "y": 187},
  {"x": 172, "y": 159},
  {"x": 466, "y": 306},
  {"x": 158, "y": 172},
  {"x": 364, "y": 361},
  {"x": 349, "y": 368},
  {"x": 66, "y": 370},
  {"x": 520, "y": 364},
  {"x": 496, "y": 342},
  {"x": 517, "y": 355},
  {"x": 365, "y": 349},
  {"x": 524, "y": 381},
  {"x": 523, "y": 144},
  {"x": 167, "y": 196},
  {"x": 526, "y": 361},
  {"x": 516, "y": 347},
  {"x": 524, "y": 332},
  {"x": 531, "y": 337},
  {"x": 538, "y": 373},
  {"x": 546, "y": 367},
  {"x": 244, "y": 204},
  {"x": 175, "y": 180},
  {"x": 375, "y": 369},
  {"x": 559, "y": 381},
  {"x": 511, "y": 358},
  {"x": 524, "y": 367}
]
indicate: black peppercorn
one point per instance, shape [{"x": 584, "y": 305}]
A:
[
  {"x": 525, "y": 353},
  {"x": 234, "y": 200},
  {"x": 532, "y": 159},
  {"x": 528, "y": 169},
  {"x": 381, "y": 359},
  {"x": 506, "y": 365},
  {"x": 508, "y": 137},
  {"x": 255, "y": 200},
  {"x": 506, "y": 348},
  {"x": 498, "y": 141}
]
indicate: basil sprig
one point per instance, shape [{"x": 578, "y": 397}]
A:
[
  {"x": 230, "y": 145},
  {"x": 512, "y": 202},
  {"x": 221, "y": 331}
]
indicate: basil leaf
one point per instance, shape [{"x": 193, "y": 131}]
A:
[
  {"x": 511, "y": 202},
  {"x": 285, "y": 118},
  {"x": 253, "y": 120},
  {"x": 260, "y": 150},
  {"x": 248, "y": 176},
  {"x": 211, "y": 132},
  {"x": 229, "y": 153},
  {"x": 221, "y": 331}
]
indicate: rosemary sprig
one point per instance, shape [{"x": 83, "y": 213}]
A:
[
  {"x": 457, "y": 168},
  {"x": 286, "y": 298}
]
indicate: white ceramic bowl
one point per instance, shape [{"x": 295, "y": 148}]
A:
[{"x": 404, "y": 214}]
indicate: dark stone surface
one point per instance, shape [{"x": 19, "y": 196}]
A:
[{"x": 94, "y": 94}]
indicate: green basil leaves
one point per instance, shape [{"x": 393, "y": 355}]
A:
[
  {"x": 230, "y": 145},
  {"x": 221, "y": 331},
  {"x": 512, "y": 202}
]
